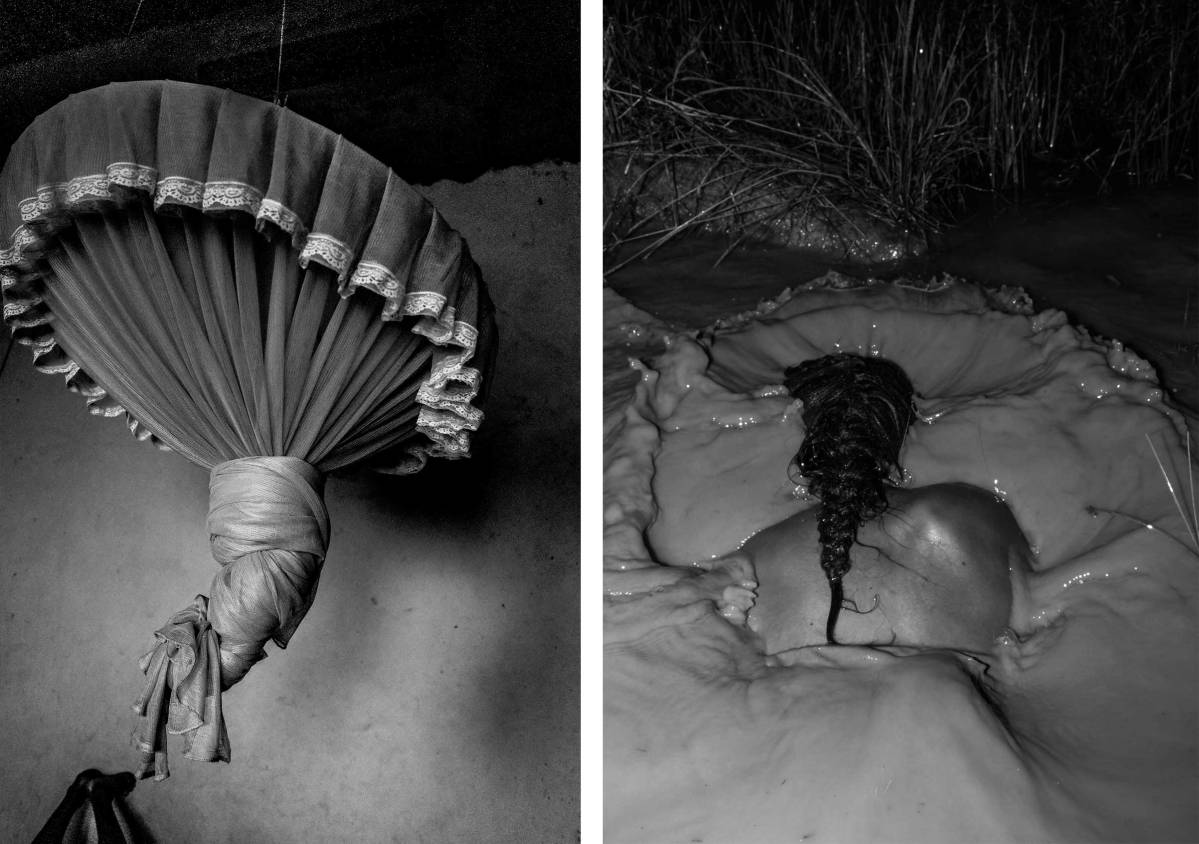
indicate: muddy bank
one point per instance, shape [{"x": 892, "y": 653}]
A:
[{"x": 648, "y": 200}]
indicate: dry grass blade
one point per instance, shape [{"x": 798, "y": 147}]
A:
[{"x": 1192, "y": 526}]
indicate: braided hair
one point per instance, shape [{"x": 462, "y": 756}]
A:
[{"x": 857, "y": 411}]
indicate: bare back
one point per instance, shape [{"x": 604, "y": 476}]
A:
[{"x": 940, "y": 568}]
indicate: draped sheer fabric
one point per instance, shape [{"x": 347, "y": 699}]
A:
[
  {"x": 251, "y": 291},
  {"x": 213, "y": 338}
]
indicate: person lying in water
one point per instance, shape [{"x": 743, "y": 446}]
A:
[{"x": 936, "y": 566}]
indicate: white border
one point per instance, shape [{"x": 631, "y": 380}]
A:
[{"x": 591, "y": 437}]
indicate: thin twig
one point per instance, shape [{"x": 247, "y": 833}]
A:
[
  {"x": 136, "y": 12},
  {"x": 279, "y": 66},
  {"x": 1191, "y": 529}
]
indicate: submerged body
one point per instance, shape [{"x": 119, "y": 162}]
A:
[
  {"x": 704, "y": 739},
  {"x": 944, "y": 566}
]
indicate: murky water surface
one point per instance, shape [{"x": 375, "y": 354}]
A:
[{"x": 1081, "y": 723}]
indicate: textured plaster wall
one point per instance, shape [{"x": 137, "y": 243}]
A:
[{"x": 431, "y": 695}]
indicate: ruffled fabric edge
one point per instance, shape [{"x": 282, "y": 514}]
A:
[
  {"x": 392, "y": 242},
  {"x": 182, "y": 694}
]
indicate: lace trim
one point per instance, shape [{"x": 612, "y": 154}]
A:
[
  {"x": 234, "y": 196},
  {"x": 287, "y": 220},
  {"x": 329, "y": 251},
  {"x": 132, "y": 175},
  {"x": 36, "y": 206},
  {"x": 424, "y": 303},
  {"x": 83, "y": 189},
  {"x": 44, "y": 351},
  {"x": 108, "y": 411},
  {"x": 439, "y": 329},
  {"x": 451, "y": 439},
  {"x": 448, "y": 391},
  {"x": 379, "y": 279},
  {"x": 459, "y": 415},
  {"x": 13, "y": 307},
  {"x": 23, "y": 319},
  {"x": 86, "y": 189},
  {"x": 139, "y": 431},
  {"x": 68, "y": 368},
  {"x": 452, "y": 367},
  {"x": 443, "y": 329},
  {"x": 22, "y": 238},
  {"x": 178, "y": 190},
  {"x": 464, "y": 335}
]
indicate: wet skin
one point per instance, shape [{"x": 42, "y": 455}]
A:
[{"x": 944, "y": 566}]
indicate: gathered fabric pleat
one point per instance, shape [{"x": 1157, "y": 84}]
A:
[{"x": 222, "y": 357}]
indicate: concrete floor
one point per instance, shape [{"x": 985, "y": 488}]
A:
[{"x": 431, "y": 694}]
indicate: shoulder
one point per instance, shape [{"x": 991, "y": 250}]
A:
[
  {"x": 949, "y": 498},
  {"x": 960, "y": 514}
]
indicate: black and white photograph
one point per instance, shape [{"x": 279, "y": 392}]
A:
[
  {"x": 900, "y": 396},
  {"x": 292, "y": 291},
  {"x": 535, "y": 421}
]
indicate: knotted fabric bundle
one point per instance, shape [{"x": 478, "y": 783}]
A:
[
  {"x": 269, "y": 531},
  {"x": 235, "y": 280}
]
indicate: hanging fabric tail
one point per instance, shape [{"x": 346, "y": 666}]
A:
[{"x": 269, "y": 531}]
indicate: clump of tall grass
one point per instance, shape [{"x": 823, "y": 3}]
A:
[{"x": 862, "y": 114}]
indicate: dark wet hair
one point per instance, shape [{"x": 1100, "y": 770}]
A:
[{"x": 857, "y": 411}]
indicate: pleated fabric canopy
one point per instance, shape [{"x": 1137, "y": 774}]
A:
[{"x": 250, "y": 290}]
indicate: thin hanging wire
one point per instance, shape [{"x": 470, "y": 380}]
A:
[
  {"x": 136, "y": 12},
  {"x": 279, "y": 66}
]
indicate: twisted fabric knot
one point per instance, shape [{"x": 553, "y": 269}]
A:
[{"x": 269, "y": 531}]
